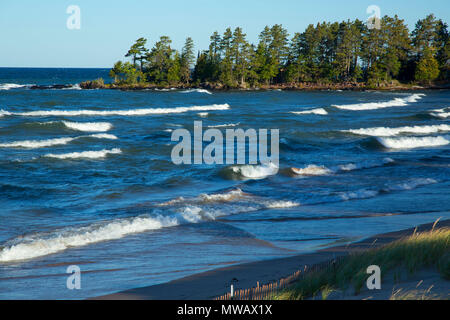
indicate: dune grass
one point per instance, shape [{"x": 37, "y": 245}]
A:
[{"x": 429, "y": 249}]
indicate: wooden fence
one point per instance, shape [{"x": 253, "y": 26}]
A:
[{"x": 267, "y": 291}]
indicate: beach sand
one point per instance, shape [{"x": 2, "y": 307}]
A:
[{"x": 214, "y": 283}]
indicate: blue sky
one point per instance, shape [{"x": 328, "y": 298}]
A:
[{"x": 34, "y": 33}]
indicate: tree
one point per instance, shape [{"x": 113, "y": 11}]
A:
[
  {"x": 160, "y": 59},
  {"x": 427, "y": 68},
  {"x": 187, "y": 59},
  {"x": 138, "y": 51}
]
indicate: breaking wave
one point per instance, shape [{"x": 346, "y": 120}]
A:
[
  {"x": 413, "y": 142},
  {"x": 8, "y": 86},
  {"x": 34, "y": 144},
  {"x": 387, "y": 132},
  {"x": 85, "y": 154},
  {"x": 224, "y": 125},
  {"x": 255, "y": 171},
  {"x": 440, "y": 113},
  {"x": 197, "y": 91},
  {"x": 397, "y": 102},
  {"x": 194, "y": 210},
  {"x": 88, "y": 126},
  {"x": 314, "y": 170},
  {"x": 319, "y": 111},
  {"x": 133, "y": 112}
]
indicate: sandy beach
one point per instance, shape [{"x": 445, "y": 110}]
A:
[{"x": 211, "y": 284}]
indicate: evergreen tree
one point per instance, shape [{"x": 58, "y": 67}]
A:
[{"x": 187, "y": 60}]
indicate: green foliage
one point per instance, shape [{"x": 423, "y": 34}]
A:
[
  {"x": 427, "y": 68},
  {"x": 324, "y": 53}
]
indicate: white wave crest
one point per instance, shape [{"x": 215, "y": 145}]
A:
[
  {"x": 312, "y": 170},
  {"x": 88, "y": 126},
  {"x": 256, "y": 171},
  {"x": 85, "y": 154},
  {"x": 133, "y": 112},
  {"x": 203, "y": 114},
  {"x": 397, "y": 102},
  {"x": 319, "y": 111},
  {"x": 413, "y": 142},
  {"x": 40, "y": 246},
  {"x": 34, "y": 144},
  {"x": 197, "y": 91},
  {"x": 387, "y": 132},
  {"x": 442, "y": 115},
  {"x": 224, "y": 125},
  {"x": 8, "y": 86},
  {"x": 222, "y": 197}
]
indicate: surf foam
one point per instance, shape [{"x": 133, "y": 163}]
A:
[
  {"x": 387, "y": 132},
  {"x": 318, "y": 111},
  {"x": 256, "y": 171},
  {"x": 133, "y": 112},
  {"x": 35, "y": 144},
  {"x": 397, "y": 102},
  {"x": 85, "y": 154},
  {"x": 8, "y": 86},
  {"x": 413, "y": 142},
  {"x": 88, "y": 126},
  {"x": 196, "y": 91}
]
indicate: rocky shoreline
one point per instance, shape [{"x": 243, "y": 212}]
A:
[{"x": 351, "y": 86}]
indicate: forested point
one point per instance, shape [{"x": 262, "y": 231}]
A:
[{"x": 349, "y": 53}]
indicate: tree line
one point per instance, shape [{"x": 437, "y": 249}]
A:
[{"x": 339, "y": 52}]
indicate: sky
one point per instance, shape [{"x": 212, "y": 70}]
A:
[{"x": 35, "y": 34}]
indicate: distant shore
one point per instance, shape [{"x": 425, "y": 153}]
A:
[
  {"x": 214, "y": 283},
  {"x": 351, "y": 86}
]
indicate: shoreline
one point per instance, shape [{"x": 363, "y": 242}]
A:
[
  {"x": 214, "y": 283},
  {"x": 350, "y": 86}
]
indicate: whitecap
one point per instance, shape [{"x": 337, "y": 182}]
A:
[
  {"x": 318, "y": 111},
  {"x": 132, "y": 112},
  {"x": 256, "y": 171},
  {"x": 397, "y": 102},
  {"x": 84, "y": 154},
  {"x": 387, "y": 132},
  {"x": 413, "y": 142}
]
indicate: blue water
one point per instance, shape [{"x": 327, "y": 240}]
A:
[{"x": 129, "y": 217}]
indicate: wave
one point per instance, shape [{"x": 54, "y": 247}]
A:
[
  {"x": 358, "y": 194},
  {"x": 365, "y": 164},
  {"x": 224, "y": 125},
  {"x": 85, "y": 154},
  {"x": 88, "y": 126},
  {"x": 397, "y": 102},
  {"x": 34, "y": 144},
  {"x": 38, "y": 245},
  {"x": 404, "y": 186},
  {"x": 42, "y": 245},
  {"x": 314, "y": 170},
  {"x": 413, "y": 142},
  {"x": 440, "y": 113},
  {"x": 387, "y": 132},
  {"x": 196, "y": 91},
  {"x": 203, "y": 114},
  {"x": 255, "y": 171},
  {"x": 133, "y": 112},
  {"x": 8, "y": 86},
  {"x": 73, "y": 87},
  {"x": 319, "y": 111}
]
